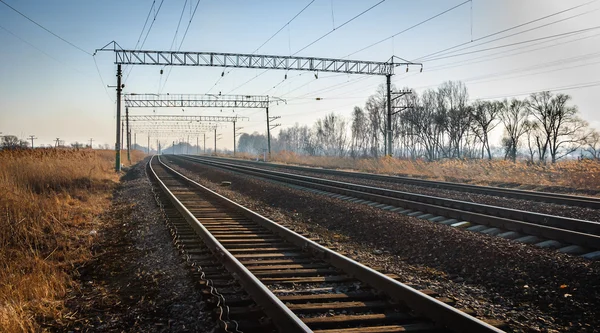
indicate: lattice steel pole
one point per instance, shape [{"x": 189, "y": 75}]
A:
[
  {"x": 118, "y": 143},
  {"x": 388, "y": 125}
]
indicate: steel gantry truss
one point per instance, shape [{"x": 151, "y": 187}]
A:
[
  {"x": 241, "y": 60},
  {"x": 203, "y": 100},
  {"x": 181, "y": 118},
  {"x": 196, "y": 100}
]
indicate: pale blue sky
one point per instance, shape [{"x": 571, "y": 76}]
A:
[{"x": 51, "y": 89}]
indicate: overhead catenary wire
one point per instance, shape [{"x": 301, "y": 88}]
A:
[
  {"x": 519, "y": 33},
  {"x": 265, "y": 42},
  {"x": 409, "y": 28},
  {"x": 505, "y": 30},
  {"x": 46, "y": 29},
  {"x": 180, "y": 45},
  {"x": 312, "y": 43}
]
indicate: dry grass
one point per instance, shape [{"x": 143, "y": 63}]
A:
[
  {"x": 50, "y": 203},
  {"x": 583, "y": 175}
]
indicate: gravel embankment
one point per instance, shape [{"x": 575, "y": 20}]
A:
[
  {"x": 137, "y": 281},
  {"x": 526, "y": 205},
  {"x": 532, "y": 289}
]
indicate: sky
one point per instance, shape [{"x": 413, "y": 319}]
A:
[{"x": 54, "y": 87}]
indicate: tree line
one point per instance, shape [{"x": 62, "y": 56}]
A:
[{"x": 442, "y": 123}]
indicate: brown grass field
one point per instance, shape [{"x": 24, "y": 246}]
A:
[
  {"x": 50, "y": 204},
  {"x": 581, "y": 175}
]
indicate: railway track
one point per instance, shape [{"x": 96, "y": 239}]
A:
[
  {"x": 300, "y": 285},
  {"x": 556, "y": 198},
  {"x": 566, "y": 234}
]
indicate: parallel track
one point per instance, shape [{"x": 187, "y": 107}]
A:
[
  {"x": 557, "y": 198},
  {"x": 299, "y": 284},
  {"x": 565, "y": 230}
]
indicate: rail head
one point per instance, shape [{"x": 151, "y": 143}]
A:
[
  {"x": 422, "y": 304},
  {"x": 279, "y": 313}
]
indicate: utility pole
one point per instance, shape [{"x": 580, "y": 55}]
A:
[
  {"x": 32, "y": 137},
  {"x": 269, "y": 128},
  {"x": 57, "y": 143},
  {"x": 91, "y": 142},
  {"x": 197, "y": 145},
  {"x": 204, "y": 143},
  {"x": 388, "y": 125},
  {"x": 118, "y": 143},
  {"x": 215, "y": 152},
  {"x": 128, "y": 135},
  {"x": 235, "y": 135}
]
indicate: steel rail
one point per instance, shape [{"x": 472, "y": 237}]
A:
[
  {"x": 281, "y": 315},
  {"x": 573, "y": 231},
  {"x": 441, "y": 313},
  {"x": 557, "y": 198}
]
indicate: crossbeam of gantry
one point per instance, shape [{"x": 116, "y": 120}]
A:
[
  {"x": 242, "y": 60},
  {"x": 172, "y": 127},
  {"x": 196, "y": 100},
  {"x": 182, "y": 118}
]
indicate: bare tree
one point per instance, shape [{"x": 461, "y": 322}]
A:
[
  {"x": 360, "y": 133},
  {"x": 593, "y": 145},
  {"x": 513, "y": 116},
  {"x": 331, "y": 135},
  {"x": 563, "y": 131},
  {"x": 485, "y": 115}
]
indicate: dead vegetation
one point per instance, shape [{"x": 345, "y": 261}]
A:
[
  {"x": 580, "y": 175},
  {"x": 50, "y": 206}
]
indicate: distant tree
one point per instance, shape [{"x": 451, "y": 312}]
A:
[
  {"x": 485, "y": 115},
  {"x": 593, "y": 145},
  {"x": 360, "y": 133},
  {"x": 13, "y": 142},
  {"x": 331, "y": 135},
  {"x": 563, "y": 132},
  {"x": 513, "y": 115}
]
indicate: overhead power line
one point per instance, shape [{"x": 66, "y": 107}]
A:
[
  {"x": 410, "y": 28},
  {"x": 263, "y": 44},
  {"x": 47, "y": 30},
  {"x": 505, "y": 30},
  {"x": 180, "y": 45},
  {"x": 318, "y": 39},
  {"x": 569, "y": 87},
  {"x": 519, "y": 33},
  {"x": 343, "y": 24}
]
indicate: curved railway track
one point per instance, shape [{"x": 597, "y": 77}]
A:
[
  {"x": 556, "y": 198},
  {"x": 300, "y": 285},
  {"x": 567, "y": 234}
]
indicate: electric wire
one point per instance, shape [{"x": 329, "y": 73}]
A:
[
  {"x": 315, "y": 41},
  {"x": 516, "y": 43},
  {"x": 263, "y": 44},
  {"x": 46, "y": 29},
  {"x": 409, "y": 28},
  {"x": 180, "y": 45},
  {"x": 505, "y": 30},
  {"x": 518, "y": 33}
]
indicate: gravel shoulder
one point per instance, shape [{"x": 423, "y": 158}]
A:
[
  {"x": 532, "y": 289},
  {"x": 526, "y": 205},
  {"x": 137, "y": 281}
]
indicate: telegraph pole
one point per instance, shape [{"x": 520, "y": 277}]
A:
[
  {"x": 215, "y": 152},
  {"x": 91, "y": 142},
  {"x": 235, "y": 135},
  {"x": 118, "y": 143},
  {"x": 388, "y": 125},
  {"x": 32, "y": 137},
  {"x": 268, "y": 134},
  {"x": 128, "y": 135}
]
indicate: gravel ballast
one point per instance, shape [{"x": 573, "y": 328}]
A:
[
  {"x": 581, "y": 213},
  {"x": 532, "y": 289},
  {"x": 137, "y": 282}
]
